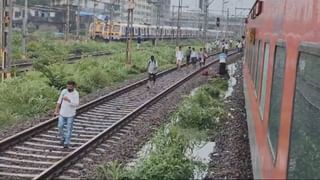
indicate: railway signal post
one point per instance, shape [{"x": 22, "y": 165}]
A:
[
  {"x": 6, "y": 11},
  {"x": 129, "y": 34}
]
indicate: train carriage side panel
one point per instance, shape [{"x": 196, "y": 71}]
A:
[{"x": 282, "y": 77}]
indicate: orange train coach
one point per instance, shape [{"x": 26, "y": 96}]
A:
[{"x": 282, "y": 85}]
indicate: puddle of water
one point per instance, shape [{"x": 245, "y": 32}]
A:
[
  {"x": 143, "y": 153},
  {"x": 193, "y": 92},
  {"x": 232, "y": 81},
  {"x": 202, "y": 153}
]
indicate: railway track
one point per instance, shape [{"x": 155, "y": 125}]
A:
[
  {"x": 27, "y": 65},
  {"x": 36, "y": 153}
]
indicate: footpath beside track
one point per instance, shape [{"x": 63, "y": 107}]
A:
[{"x": 36, "y": 153}]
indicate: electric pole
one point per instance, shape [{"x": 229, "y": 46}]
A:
[
  {"x": 111, "y": 18},
  {"x": 205, "y": 6},
  {"x": 178, "y": 23},
  {"x": 94, "y": 19},
  {"x": 78, "y": 20},
  {"x": 223, "y": 16},
  {"x": 25, "y": 30},
  {"x": 172, "y": 24},
  {"x": 158, "y": 16},
  {"x": 227, "y": 28},
  {"x": 67, "y": 28},
  {"x": 6, "y": 12},
  {"x": 158, "y": 23},
  {"x": 129, "y": 33}
]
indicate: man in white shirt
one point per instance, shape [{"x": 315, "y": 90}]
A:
[
  {"x": 152, "y": 71},
  {"x": 194, "y": 57},
  {"x": 239, "y": 46},
  {"x": 179, "y": 57},
  {"x": 226, "y": 47},
  {"x": 66, "y": 109}
]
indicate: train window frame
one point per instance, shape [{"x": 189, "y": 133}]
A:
[
  {"x": 257, "y": 67},
  {"x": 254, "y": 65},
  {"x": 304, "y": 49},
  {"x": 265, "y": 64},
  {"x": 279, "y": 44},
  {"x": 253, "y": 47}
]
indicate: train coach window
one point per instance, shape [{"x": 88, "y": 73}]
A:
[
  {"x": 304, "y": 156},
  {"x": 264, "y": 78},
  {"x": 258, "y": 69},
  {"x": 254, "y": 61},
  {"x": 276, "y": 97}
]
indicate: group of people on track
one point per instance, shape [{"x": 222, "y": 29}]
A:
[
  {"x": 192, "y": 56},
  {"x": 69, "y": 97}
]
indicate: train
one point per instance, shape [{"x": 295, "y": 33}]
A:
[
  {"x": 282, "y": 88},
  {"x": 107, "y": 30}
]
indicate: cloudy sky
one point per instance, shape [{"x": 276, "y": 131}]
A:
[{"x": 216, "y": 6}]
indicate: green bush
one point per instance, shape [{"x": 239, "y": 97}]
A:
[
  {"x": 204, "y": 110},
  {"x": 51, "y": 72},
  {"x": 167, "y": 159},
  {"x": 25, "y": 97}
]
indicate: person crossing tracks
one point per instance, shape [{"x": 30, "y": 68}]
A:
[
  {"x": 152, "y": 70},
  {"x": 66, "y": 109}
]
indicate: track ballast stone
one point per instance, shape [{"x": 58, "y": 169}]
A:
[{"x": 231, "y": 158}]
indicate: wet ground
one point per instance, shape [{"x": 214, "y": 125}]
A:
[{"x": 231, "y": 157}]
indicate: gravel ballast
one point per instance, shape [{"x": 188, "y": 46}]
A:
[{"x": 231, "y": 158}]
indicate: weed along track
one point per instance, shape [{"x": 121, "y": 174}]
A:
[
  {"x": 36, "y": 153},
  {"x": 27, "y": 65}
]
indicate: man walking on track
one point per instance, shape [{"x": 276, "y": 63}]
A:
[
  {"x": 152, "y": 70},
  {"x": 179, "y": 57},
  {"x": 66, "y": 109},
  {"x": 201, "y": 57},
  {"x": 139, "y": 42},
  {"x": 222, "y": 62},
  {"x": 194, "y": 57},
  {"x": 188, "y": 55},
  {"x": 205, "y": 55}
]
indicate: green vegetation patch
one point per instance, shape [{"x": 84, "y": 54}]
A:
[{"x": 35, "y": 92}]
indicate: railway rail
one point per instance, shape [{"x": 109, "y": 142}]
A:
[
  {"x": 27, "y": 65},
  {"x": 36, "y": 154}
]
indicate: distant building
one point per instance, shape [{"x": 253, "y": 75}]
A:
[
  {"x": 165, "y": 12},
  {"x": 144, "y": 12},
  {"x": 40, "y": 18}
]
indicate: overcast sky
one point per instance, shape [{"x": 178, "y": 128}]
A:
[{"x": 216, "y": 6}]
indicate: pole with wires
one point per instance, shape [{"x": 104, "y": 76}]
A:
[
  {"x": 6, "y": 14},
  {"x": 67, "y": 24},
  {"x": 205, "y": 25},
  {"x": 178, "y": 34},
  {"x": 129, "y": 32},
  {"x": 78, "y": 20},
  {"x": 158, "y": 23},
  {"x": 25, "y": 30}
]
